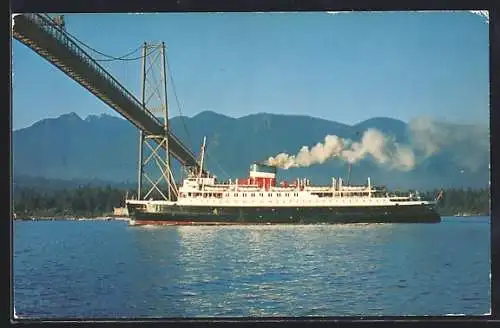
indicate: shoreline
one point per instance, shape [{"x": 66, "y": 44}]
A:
[
  {"x": 71, "y": 218},
  {"x": 123, "y": 218}
]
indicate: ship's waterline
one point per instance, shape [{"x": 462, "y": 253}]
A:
[
  {"x": 186, "y": 223},
  {"x": 203, "y": 215}
]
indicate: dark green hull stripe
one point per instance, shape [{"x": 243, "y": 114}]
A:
[{"x": 300, "y": 215}]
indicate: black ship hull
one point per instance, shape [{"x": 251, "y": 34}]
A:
[{"x": 206, "y": 215}]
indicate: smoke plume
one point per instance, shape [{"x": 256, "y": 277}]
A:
[
  {"x": 426, "y": 138},
  {"x": 467, "y": 145},
  {"x": 373, "y": 143}
]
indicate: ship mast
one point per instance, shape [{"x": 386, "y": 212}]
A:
[
  {"x": 202, "y": 156},
  {"x": 349, "y": 169}
]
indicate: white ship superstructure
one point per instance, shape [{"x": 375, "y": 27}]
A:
[{"x": 260, "y": 190}]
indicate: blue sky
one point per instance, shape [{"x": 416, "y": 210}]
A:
[{"x": 344, "y": 67}]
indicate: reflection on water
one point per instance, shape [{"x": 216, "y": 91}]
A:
[{"x": 186, "y": 271}]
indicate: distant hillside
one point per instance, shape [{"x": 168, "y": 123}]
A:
[
  {"x": 105, "y": 148},
  {"x": 390, "y": 126}
]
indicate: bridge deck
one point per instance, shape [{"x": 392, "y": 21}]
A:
[{"x": 50, "y": 42}]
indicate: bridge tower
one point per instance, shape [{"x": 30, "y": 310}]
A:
[{"x": 154, "y": 149}]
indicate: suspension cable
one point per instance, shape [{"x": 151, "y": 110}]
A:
[
  {"x": 169, "y": 70},
  {"x": 218, "y": 165},
  {"x": 184, "y": 122},
  {"x": 108, "y": 57},
  {"x": 124, "y": 58}
]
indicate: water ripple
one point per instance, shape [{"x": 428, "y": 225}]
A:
[{"x": 107, "y": 269}]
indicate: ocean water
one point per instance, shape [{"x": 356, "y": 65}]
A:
[{"x": 106, "y": 269}]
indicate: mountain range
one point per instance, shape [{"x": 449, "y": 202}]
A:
[{"x": 104, "y": 148}]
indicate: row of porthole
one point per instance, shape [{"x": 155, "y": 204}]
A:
[
  {"x": 262, "y": 194},
  {"x": 348, "y": 201}
]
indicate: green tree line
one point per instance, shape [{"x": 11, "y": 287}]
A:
[
  {"x": 99, "y": 201},
  {"x": 81, "y": 201},
  {"x": 461, "y": 201}
]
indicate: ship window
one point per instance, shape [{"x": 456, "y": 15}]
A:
[
  {"x": 189, "y": 194},
  {"x": 286, "y": 194},
  {"x": 244, "y": 195},
  {"x": 236, "y": 195},
  {"x": 278, "y": 194},
  {"x": 261, "y": 194},
  {"x": 253, "y": 195}
]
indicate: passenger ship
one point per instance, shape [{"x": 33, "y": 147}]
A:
[{"x": 260, "y": 199}]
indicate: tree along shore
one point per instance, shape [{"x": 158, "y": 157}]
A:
[
  {"x": 74, "y": 203},
  {"x": 98, "y": 202}
]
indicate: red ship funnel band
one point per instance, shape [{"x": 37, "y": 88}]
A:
[{"x": 259, "y": 182}]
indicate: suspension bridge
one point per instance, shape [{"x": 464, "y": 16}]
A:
[{"x": 49, "y": 39}]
